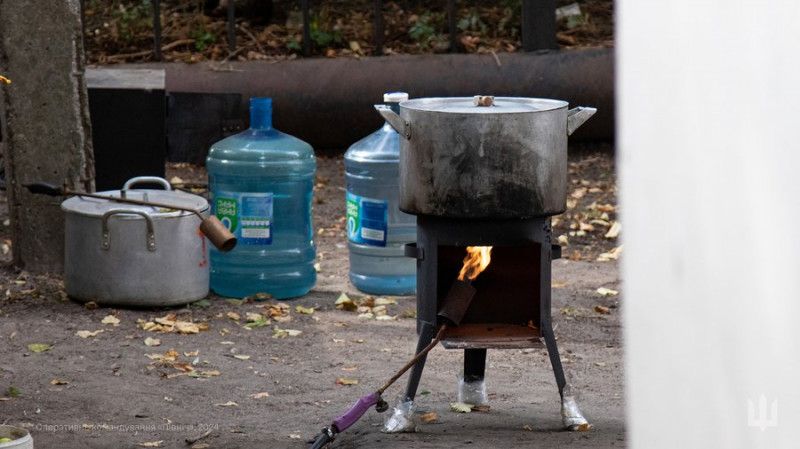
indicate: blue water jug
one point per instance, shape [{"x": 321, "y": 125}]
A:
[
  {"x": 260, "y": 186},
  {"x": 377, "y": 230}
]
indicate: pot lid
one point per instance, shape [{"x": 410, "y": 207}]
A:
[
  {"x": 481, "y": 104},
  {"x": 96, "y": 207}
]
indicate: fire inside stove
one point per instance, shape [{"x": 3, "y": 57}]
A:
[{"x": 505, "y": 309}]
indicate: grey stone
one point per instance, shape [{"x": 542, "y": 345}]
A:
[{"x": 46, "y": 126}]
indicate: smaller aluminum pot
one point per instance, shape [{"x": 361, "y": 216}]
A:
[{"x": 133, "y": 255}]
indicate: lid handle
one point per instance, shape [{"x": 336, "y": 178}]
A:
[
  {"x": 483, "y": 100},
  {"x": 147, "y": 179}
]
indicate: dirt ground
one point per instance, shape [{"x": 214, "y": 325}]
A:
[{"x": 266, "y": 386}]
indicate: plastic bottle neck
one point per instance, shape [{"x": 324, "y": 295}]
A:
[
  {"x": 260, "y": 113},
  {"x": 394, "y": 106}
]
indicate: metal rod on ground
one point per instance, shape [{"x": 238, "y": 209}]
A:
[
  {"x": 157, "y": 30},
  {"x": 451, "y": 16},
  {"x": 539, "y": 25},
  {"x": 306, "y": 29},
  {"x": 414, "y": 361},
  {"x": 83, "y": 28},
  {"x": 231, "y": 27},
  {"x": 378, "y": 27}
]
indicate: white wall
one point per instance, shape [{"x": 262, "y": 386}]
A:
[{"x": 708, "y": 96}]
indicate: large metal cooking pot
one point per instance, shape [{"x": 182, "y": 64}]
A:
[
  {"x": 136, "y": 255},
  {"x": 484, "y": 157}
]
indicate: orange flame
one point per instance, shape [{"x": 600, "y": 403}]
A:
[{"x": 477, "y": 259}]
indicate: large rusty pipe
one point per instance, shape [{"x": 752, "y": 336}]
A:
[{"x": 329, "y": 102}]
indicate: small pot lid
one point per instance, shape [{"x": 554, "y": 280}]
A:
[
  {"x": 483, "y": 104},
  {"x": 96, "y": 207}
]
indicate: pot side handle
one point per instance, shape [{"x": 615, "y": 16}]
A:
[
  {"x": 577, "y": 116},
  {"x": 151, "y": 235},
  {"x": 403, "y": 127}
]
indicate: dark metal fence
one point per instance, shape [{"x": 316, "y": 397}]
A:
[{"x": 538, "y": 26}]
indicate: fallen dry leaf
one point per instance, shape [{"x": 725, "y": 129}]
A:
[
  {"x": 59, "y": 382},
  {"x": 241, "y": 357},
  {"x": 39, "y": 347},
  {"x": 526, "y": 428},
  {"x": 91, "y": 305},
  {"x": 428, "y": 417},
  {"x": 602, "y": 291},
  {"x": 234, "y": 316},
  {"x": 304, "y": 310},
  {"x": 227, "y": 404},
  {"x": 612, "y": 254},
  {"x": 204, "y": 374},
  {"x": 613, "y": 233},
  {"x": 384, "y": 301},
  {"x": 481, "y": 408},
  {"x": 158, "y": 443},
  {"x": 603, "y": 310},
  {"x": 185, "y": 327},
  {"x": 606, "y": 208},
  {"x": 460, "y": 407},
  {"x": 261, "y": 395},
  {"x": 88, "y": 334},
  {"x": 149, "y": 341},
  {"x": 343, "y": 381},
  {"x": 252, "y": 317},
  {"x": 579, "y": 193},
  {"x": 110, "y": 319},
  {"x": 345, "y": 303}
]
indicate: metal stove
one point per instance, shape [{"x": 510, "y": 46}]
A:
[{"x": 484, "y": 172}]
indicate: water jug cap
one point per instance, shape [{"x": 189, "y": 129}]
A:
[{"x": 395, "y": 97}]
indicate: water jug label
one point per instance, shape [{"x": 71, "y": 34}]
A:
[
  {"x": 367, "y": 220},
  {"x": 247, "y": 215}
]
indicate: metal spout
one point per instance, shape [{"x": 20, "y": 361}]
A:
[
  {"x": 457, "y": 301},
  {"x": 218, "y": 234}
]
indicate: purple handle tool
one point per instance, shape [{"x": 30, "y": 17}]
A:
[{"x": 356, "y": 412}]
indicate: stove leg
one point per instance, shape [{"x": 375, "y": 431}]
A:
[
  {"x": 472, "y": 387},
  {"x": 401, "y": 419},
  {"x": 570, "y": 412}
]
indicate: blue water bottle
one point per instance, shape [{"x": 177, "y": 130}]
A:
[
  {"x": 260, "y": 186},
  {"x": 376, "y": 229}
]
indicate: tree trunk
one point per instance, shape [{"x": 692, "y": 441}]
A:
[{"x": 47, "y": 131}]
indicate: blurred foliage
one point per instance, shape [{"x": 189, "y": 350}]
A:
[
  {"x": 192, "y": 30},
  {"x": 132, "y": 18}
]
